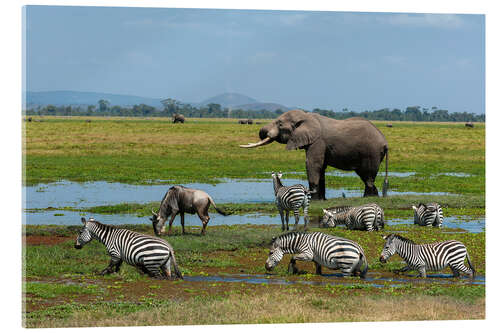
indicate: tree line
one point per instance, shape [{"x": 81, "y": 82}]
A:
[{"x": 213, "y": 110}]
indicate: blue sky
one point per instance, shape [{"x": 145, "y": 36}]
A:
[{"x": 332, "y": 60}]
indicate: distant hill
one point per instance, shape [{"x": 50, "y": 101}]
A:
[
  {"x": 68, "y": 97},
  {"x": 262, "y": 106},
  {"x": 229, "y": 100}
]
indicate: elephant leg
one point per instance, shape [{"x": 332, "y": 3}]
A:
[
  {"x": 369, "y": 180},
  {"x": 315, "y": 158}
]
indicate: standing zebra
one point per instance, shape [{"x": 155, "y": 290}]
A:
[
  {"x": 151, "y": 255},
  {"x": 324, "y": 250},
  {"x": 432, "y": 257},
  {"x": 291, "y": 198},
  {"x": 366, "y": 217},
  {"x": 427, "y": 215}
]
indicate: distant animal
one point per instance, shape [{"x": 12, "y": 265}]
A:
[
  {"x": 289, "y": 198},
  {"x": 428, "y": 257},
  {"x": 178, "y": 118},
  {"x": 353, "y": 144},
  {"x": 428, "y": 214},
  {"x": 88, "y": 121},
  {"x": 469, "y": 124},
  {"x": 242, "y": 121},
  {"x": 153, "y": 256},
  {"x": 367, "y": 217},
  {"x": 389, "y": 125},
  {"x": 324, "y": 250},
  {"x": 180, "y": 199},
  {"x": 249, "y": 121},
  {"x": 29, "y": 119}
]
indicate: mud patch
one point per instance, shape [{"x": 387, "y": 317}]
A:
[{"x": 45, "y": 240}]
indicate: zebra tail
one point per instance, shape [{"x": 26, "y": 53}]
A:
[
  {"x": 386, "y": 180},
  {"x": 177, "y": 271},
  {"x": 220, "y": 211},
  {"x": 470, "y": 265}
]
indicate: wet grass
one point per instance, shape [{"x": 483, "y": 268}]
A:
[
  {"x": 145, "y": 151},
  {"x": 395, "y": 206}
]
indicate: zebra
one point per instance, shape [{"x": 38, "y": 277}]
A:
[
  {"x": 433, "y": 257},
  {"x": 427, "y": 215},
  {"x": 151, "y": 255},
  {"x": 324, "y": 250},
  {"x": 366, "y": 217},
  {"x": 291, "y": 198}
]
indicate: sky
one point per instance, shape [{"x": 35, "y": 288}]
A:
[{"x": 305, "y": 59}]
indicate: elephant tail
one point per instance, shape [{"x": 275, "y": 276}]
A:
[{"x": 386, "y": 180}]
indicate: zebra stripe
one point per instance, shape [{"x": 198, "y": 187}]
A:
[
  {"x": 366, "y": 217},
  {"x": 291, "y": 198},
  {"x": 428, "y": 257},
  {"x": 150, "y": 254},
  {"x": 427, "y": 215},
  {"x": 324, "y": 250}
]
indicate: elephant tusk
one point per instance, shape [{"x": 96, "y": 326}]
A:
[{"x": 260, "y": 143}]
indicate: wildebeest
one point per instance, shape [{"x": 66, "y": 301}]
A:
[
  {"x": 249, "y": 121},
  {"x": 469, "y": 124},
  {"x": 242, "y": 121},
  {"x": 389, "y": 125},
  {"x": 178, "y": 118},
  {"x": 180, "y": 199}
]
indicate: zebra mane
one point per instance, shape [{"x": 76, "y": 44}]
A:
[
  {"x": 339, "y": 209},
  {"x": 101, "y": 225},
  {"x": 291, "y": 233},
  {"x": 404, "y": 239}
]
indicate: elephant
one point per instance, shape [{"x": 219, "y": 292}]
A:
[
  {"x": 178, "y": 118},
  {"x": 351, "y": 144}
]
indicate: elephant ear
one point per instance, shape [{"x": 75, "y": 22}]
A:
[{"x": 307, "y": 131}]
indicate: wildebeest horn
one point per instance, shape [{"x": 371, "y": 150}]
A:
[
  {"x": 260, "y": 143},
  {"x": 152, "y": 211}
]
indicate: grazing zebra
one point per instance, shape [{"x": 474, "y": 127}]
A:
[
  {"x": 432, "y": 257},
  {"x": 291, "y": 198},
  {"x": 151, "y": 255},
  {"x": 324, "y": 250},
  {"x": 366, "y": 217},
  {"x": 427, "y": 215}
]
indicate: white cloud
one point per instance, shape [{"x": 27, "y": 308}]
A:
[{"x": 422, "y": 20}]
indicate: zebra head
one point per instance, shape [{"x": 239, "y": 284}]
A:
[
  {"x": 275, "y": 255},
  {"x": 84, "y": 236},
  {"x": 328, "y": 219},
  {"x": 389, "y": 248}
]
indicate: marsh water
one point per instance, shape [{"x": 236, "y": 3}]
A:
[
  {"x": 372, "y": 278},
  {"x": 80, "y": 195}
]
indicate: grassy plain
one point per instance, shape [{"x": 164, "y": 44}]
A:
[
  {"x": 145, "y": 151},
  {"x": 62, "y": 288}
]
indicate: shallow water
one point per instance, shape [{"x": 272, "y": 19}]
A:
[
  {"x": 335, "y": 279},
  {"x": 473, "y": 225},
  {"x": 72, "y": 194}
]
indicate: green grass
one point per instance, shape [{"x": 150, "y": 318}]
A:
[{"x": 144, "y": 151}]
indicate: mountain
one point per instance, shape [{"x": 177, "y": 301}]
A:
[
  {"x": 230, "y": 100},
  {"x": 262, "y": 106},
  {"x": 68, "y": 97}
]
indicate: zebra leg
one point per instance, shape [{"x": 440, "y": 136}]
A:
[
  {"x": 404, "y": 269},
  {"x": 287, "y": 218},
  {"x": 318, "y": 268},
  {"x": 110, "y": 269},
  {"x": 118, "y": 265},
  {"x": 166, "y": 269},
  {"x": 421, "y": 272},
  {"x": 306, "y": 256},
  {"x": 282, "y": 221},
  {"x": 297, "y": 218},
  {"x": 457, "y": 268}
]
